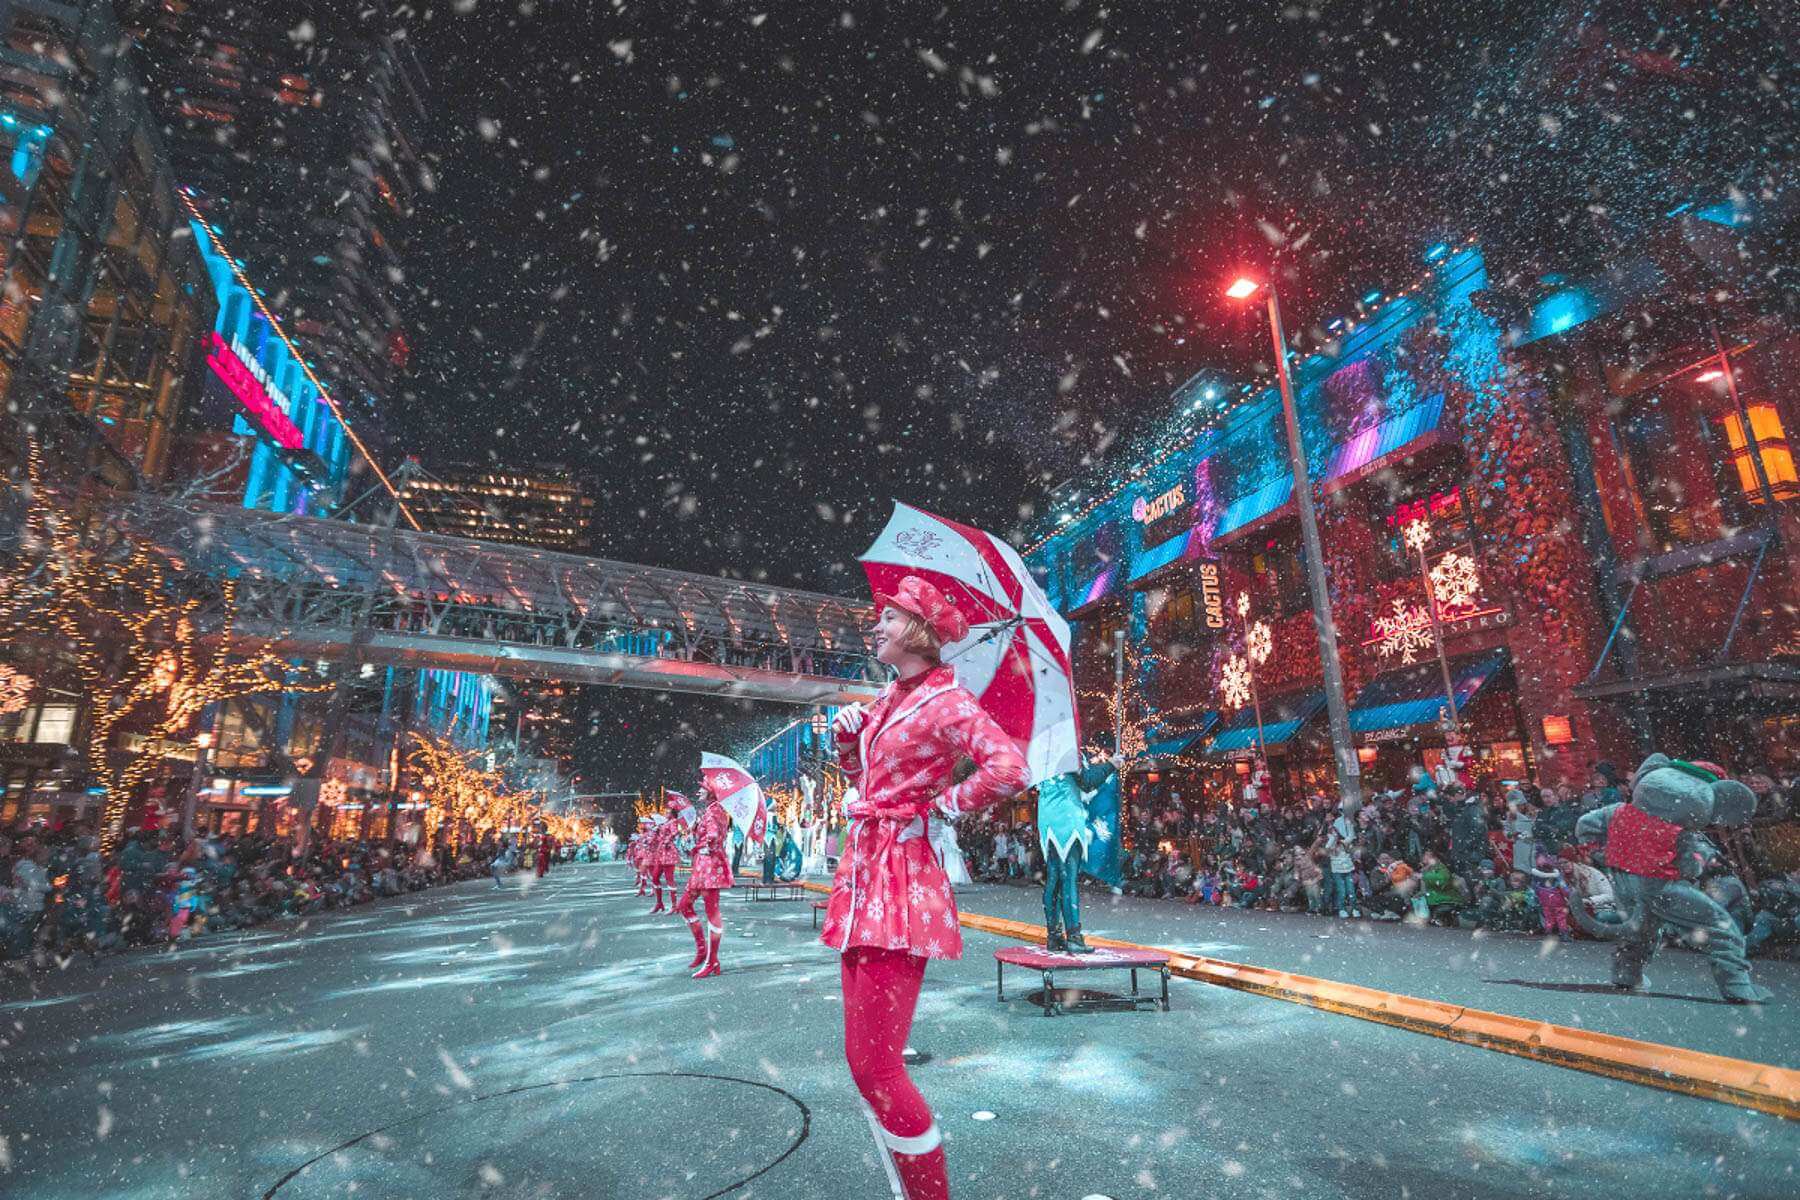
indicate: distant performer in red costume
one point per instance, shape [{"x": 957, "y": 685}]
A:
[
  {"x": 891, "y": 907},
  {"x": 636, "y": 849},
  {"x": 664, "y": 855},
  {"x": 712, "y": 875}
]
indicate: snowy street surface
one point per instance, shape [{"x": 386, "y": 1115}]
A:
[{"x": 547, "y": 1042}]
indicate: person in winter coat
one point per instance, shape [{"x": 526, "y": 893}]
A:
[
  {"x": 891, "y": 909},
  {"x": 1441, "y": 895},
  {"x": 711, "y": 875},
  {"x": 1467, "y": 818},
  {"x": 1064, "y": 834}
]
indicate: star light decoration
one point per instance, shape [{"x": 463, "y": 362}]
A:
[
  {"x": 1234, "y": 682},
  {"x": 15, "y": 690},
  {"x": 1405, "y": 631}
]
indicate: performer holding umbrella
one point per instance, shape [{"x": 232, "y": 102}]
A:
[
  {"x": 664, "y": 855},
  {"x": 891, "y": 907},
  {"x": 711, "y": 875}
]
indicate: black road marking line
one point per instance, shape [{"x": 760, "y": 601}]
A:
[{"x": 805, "y": 1120}]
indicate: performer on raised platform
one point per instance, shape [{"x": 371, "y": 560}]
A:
[
  {"x": 891, "y": 907},
  {"x": 712, "y": 874},
  {"x": 1064, "y": 834}
]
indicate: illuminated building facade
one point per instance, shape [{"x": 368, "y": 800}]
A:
[
  {"x": 296, "y": 127},
  {"x": 546, "y": 505},
  {"x": 1606, "y": 541},
  {"x": 289, "y": 452},
  {"x": 98, "y": 355}
]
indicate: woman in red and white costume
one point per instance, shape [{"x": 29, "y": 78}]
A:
[
  {"x": 712, "y": 874},
  {"x": 635, "y": 850},
  {"x": 891, "y": 907},
  {"x": 664, "y": 855}
]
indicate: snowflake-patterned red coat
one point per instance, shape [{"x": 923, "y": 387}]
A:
[
  {"x": 712, "y": 856},
  {"x": 890, "y": 891},
  {"x": 663, "y": 851}
]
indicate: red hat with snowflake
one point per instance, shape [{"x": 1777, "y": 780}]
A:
[{"x": 916, "y": 596}]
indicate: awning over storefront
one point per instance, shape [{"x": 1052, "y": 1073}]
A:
[
  {"x": 1372, "y": 450},
  {"x": 1178, "y": 743},
  {"x": 1414, "y": 695},
  {"x": 1283, "y": 717},
  {"x": 1256, "y": 508},
  {"x": 1101, "y": 587},
  {"x": 1149, "y": 564}
]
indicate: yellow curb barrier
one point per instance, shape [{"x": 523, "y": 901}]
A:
[{"x": 1754, "y": 1085}]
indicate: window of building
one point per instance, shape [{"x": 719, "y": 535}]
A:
[
  {"x": 1176, "y": 622},
  {"x": 1771, "y": 446},
  {"x": 46, "y": 723},
  {"x": 1279, "y": 571},
  {"x": 1680, "y": 468}
]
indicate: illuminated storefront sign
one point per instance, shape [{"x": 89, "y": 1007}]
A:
[
  {"x": 252, "y": 388},
  {"x": 1147, "y": 510},
  {"x": 1212, "y": 597}
]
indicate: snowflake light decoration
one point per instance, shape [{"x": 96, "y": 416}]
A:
[
  {"x": 1418, "y": 536},
  {"x": 1259, "y": 643},
  {"x": 1234, "y": 682},
  {"x": 15, "y": 690},
  {"x": 333, "y": 792},
  {"x": 1405, "y": 631},
  {"x": 1454, "y": 581},
  {"x": 1243, "y": 604}
]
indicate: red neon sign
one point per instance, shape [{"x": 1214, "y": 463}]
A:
[{"x": 250, "y": 392}]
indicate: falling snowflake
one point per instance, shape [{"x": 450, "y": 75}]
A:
[
  {"x": 1234, "y": 682},
  {"x": 15, "y": 690},
  {"x": 1454, "y": 581},
  {"x": 1405, "y": 631}
]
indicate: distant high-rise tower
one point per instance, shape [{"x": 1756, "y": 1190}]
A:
[
  {"x": 296, "y": 123},
  {"x": 545, "y": 505}
]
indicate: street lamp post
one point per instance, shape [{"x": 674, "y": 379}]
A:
[
  {"x": 1349, "y": 771},
  {"x": 190, "y": 803}
]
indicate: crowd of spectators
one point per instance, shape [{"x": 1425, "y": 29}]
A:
[
  {"x": 1480, "y": 857},
  {"x": 59, "y": 896}
]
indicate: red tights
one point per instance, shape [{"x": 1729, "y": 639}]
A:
[
  {"x": 881, "y": 989},
  {"x": 661, "y": 877},
  {"x": 685, "y": 905}
]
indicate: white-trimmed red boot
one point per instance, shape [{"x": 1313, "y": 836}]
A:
[
  {"x": 700, "y": 954},
  {"x": 711, "y": 967}
]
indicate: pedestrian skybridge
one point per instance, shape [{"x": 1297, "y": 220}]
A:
[{"x": 325, "y": 589}]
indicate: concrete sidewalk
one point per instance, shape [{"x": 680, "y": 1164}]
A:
[{"x": 1565, "y": 983}]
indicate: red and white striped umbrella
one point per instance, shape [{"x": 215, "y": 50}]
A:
[
  {"x": 737, "y": 790},
  {"x": 1016, "y": 657}
]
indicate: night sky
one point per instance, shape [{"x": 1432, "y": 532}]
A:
[{"x": 764, "y": 267}]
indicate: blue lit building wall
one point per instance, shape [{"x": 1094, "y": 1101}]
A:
[
  {"x": 1251, "y": 432},
  {"x": 786, "y": 758},
  {"x": 272, "y": 485},
  {"x": 455, "y": 704}
]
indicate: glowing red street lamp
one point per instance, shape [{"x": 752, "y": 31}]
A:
[{"x": 1349, "y": 768}]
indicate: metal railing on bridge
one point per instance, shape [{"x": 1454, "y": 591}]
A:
[{"x": 332, "y": 589}]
